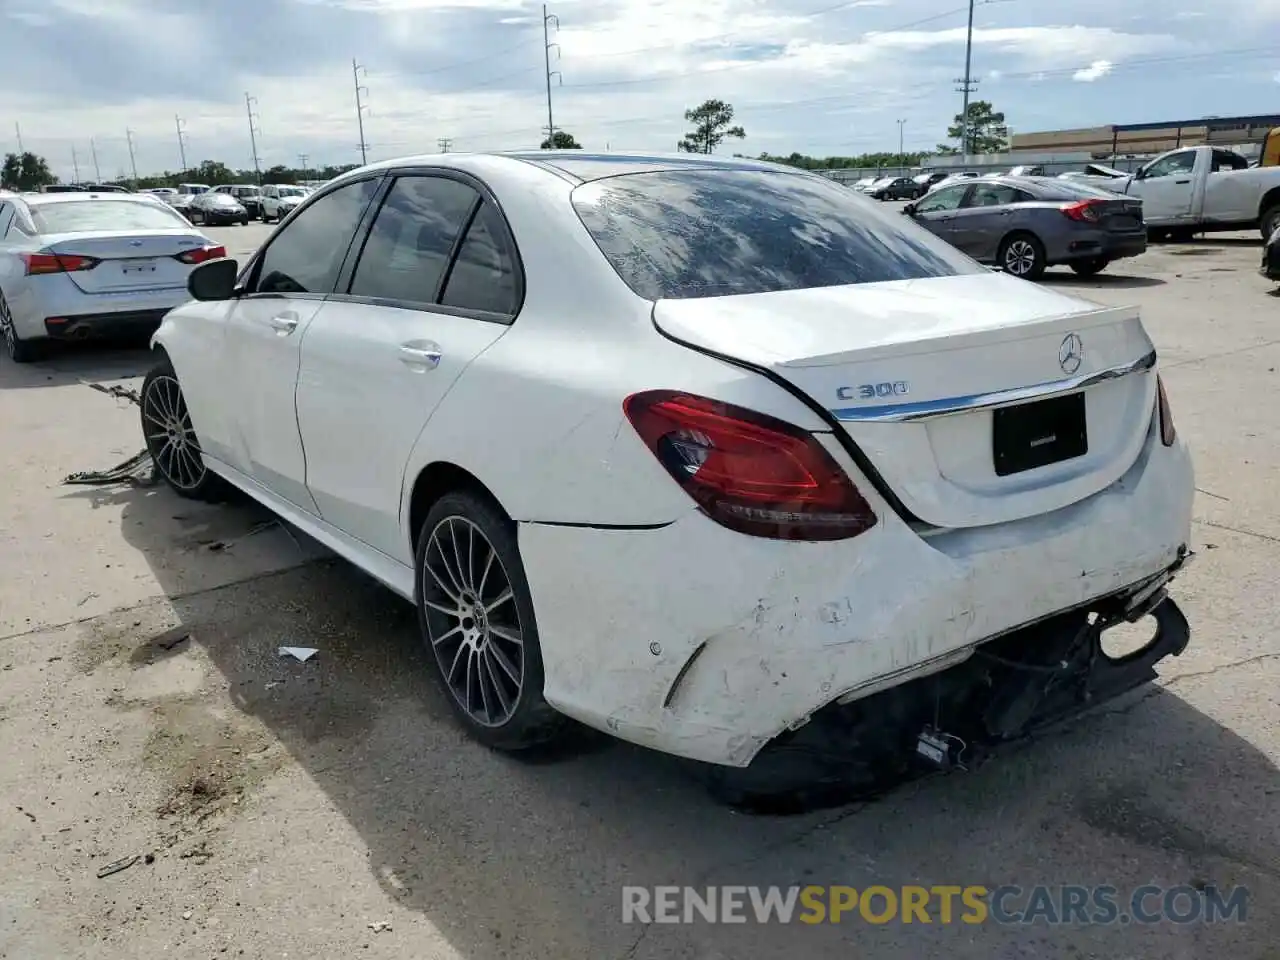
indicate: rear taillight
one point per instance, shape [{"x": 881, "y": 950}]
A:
[
  {"x": 748, "y": 471},
  {"x": 42, "y": 263},
  {"x": 201, "y": 254},
  {"x": 1086, "y": 211},
  {"x": 1167, "y": 433}
]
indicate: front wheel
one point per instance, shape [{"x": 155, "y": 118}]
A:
[
  {"x": 171, "y": 439},
  {"x": 1090, "y": 267},
  {"x": 1270, "y": 222},
  {"x": 1022, "y": 255},
  {"x": 476, "y": 616}
]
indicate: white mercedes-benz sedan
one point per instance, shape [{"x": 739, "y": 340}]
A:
[
  {"x": 76, "y": 265},
  {"x": 711, "y": 454}
]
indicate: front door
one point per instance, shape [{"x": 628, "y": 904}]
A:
[
  {"x": 434, "y": 287},
  {"x": 936, "y": 211},
  {"x": 267, "y": 326},
  {"x": 1166, "y": 187}
]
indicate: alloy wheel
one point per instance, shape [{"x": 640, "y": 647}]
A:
[
  {"x": 7, "y": 329},
  {"x": 472, "y": 621},
  {"x": 1020, "y": 258},
  {"x": 169, "y": 434}
]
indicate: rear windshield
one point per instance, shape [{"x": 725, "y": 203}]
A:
[
  {"x": 687, "y": 234},
  {"x": 71, "y": 216}
]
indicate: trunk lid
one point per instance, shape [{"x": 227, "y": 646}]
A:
[
  {"x": 139, "y": 260},
  {"x": 1121, "y": 215},
  {"x": 979, "y": 399}
]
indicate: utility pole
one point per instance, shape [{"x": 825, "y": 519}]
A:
[
  {"x": 444, "y": 143},
  {"x": 182, "y": 141},
  {"x": 302, "y": 159},
  {"x": 360, "y": 109},
  {"x": 902, "y": 157},
  {"x": 547, "y": 20},
  {"x": 97, "y": 172},
  {"x": 75, "y": 163},
  {"x": 133, "y": 159},
  {"x": 967, "y": 85},
  {"x": 17, "y": 128},
  {"x": 253, "y": 133}
]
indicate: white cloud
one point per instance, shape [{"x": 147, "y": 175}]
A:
[{"x": 1095, "y": 71}]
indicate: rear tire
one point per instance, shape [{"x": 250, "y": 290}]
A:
[
  {"x": 19, "y": 350},
  {"x": 1022, "y": 255},
  {"x": 476, "y": 616},
  {"x": 171, "y": 439},
  {"x": 1090, "y": 267}
]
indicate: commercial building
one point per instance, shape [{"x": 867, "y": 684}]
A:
[{"x": 1144, "y": 138}]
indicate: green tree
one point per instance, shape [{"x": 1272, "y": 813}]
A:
[
  {"x": 712, "y": 123},
  {"x": 987, "y": 130},
  {"x": 26, "y": 171},
  {"x": 213, "y": 172},
  {"x": 561, "y": 140}
]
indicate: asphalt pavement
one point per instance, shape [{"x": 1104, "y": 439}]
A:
[{"x": 332, "y": 808}]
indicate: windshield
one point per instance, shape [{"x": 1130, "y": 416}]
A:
[
  {"x": 686, "y": 234},
  {"x": 103, "y": 215},
  {"x": 293, "y": 191}
]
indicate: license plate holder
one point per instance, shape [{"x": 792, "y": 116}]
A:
[
  {"x": 132, "y": 267},
  {"x": 1036, "y": 434}
]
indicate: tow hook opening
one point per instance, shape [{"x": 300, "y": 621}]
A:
[{"x": 1011, "y": 687}]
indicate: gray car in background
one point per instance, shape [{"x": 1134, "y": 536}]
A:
[{"x": 1025, "y": 224}]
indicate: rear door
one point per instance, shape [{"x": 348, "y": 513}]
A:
[
  {"x": 434, "y": 286},
  {"x": 286, "y": 285},
  {"x": 985, "y": 217},
  {"x": 937, "y": 211}
]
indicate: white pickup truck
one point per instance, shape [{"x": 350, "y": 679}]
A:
[{"x": 1201, "y": 190}]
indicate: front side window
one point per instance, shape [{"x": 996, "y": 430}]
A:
[
  {"x": 1181, "y": 162},
  {"x": 708, "y": 233},
  {"x": 948, "y": 198},
  {"x": 412, "y": 237},
  {"x": 483, "y": 276},
  {"x": 306, "y": 254}
]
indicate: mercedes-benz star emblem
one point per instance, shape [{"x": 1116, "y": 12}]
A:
[{"x": 1071, "y": 353}]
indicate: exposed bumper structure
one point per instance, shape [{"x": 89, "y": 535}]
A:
[{"x": 706, "y": 644}]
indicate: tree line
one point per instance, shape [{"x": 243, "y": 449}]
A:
[{"x": 711, "y": 124}]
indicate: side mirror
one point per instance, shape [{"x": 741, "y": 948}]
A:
[{"x": 214, "y": 279}]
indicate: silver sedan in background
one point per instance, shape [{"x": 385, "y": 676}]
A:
[
  {"x": 1025, "y": 224},
  {"x": 74, "y": 265}
]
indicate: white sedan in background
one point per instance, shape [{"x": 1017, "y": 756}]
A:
[
  {"x": 76, "y": 265},
  {"x": 709, "y": 454}
]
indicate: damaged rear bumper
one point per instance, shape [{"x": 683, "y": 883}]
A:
[{"x": 702, "y": 643}]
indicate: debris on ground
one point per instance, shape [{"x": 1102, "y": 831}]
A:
[
  {"x": 116, "y": 866},
  {"x": 117, "y": 391},
  {"x": 171, "y": 638},
  {"x": 219, "y": 545},
  {"x": 301, "y": 654},
  {"x": 139, "y": 470},
  {"x": 380, "y": 926}
]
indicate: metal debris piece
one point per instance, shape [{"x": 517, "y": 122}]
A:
[
  {"x": 138, "y": 470},
  {"x": 124, "y": 863},
  {"x": 380, "y": 926},
  {"x": 171, "y": 638},
  {"x": 115, "y": 390},
  {"x": 301, "y": 654}
]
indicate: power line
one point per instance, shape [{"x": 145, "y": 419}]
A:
[
  {"x": 254, "y": 131},
  {"x": 547, "y": 20},
  {"x": 360, "y": 109},
  {"x": 133, "y": 158},
  {"x": 182, "y": 138}
]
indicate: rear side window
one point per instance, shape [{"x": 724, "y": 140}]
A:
[
  {"x": 995, "y": 195},
  {"x": 412, "y": 237},
  {"x": 483, "y": 277},
  {"x": 306, "y": 254},
  {"x": 72, "y": 216},
  {"x": 687, "y": 234}
]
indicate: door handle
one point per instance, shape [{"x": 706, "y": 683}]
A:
[
  {"x": 284, "y": 323},
  {"x": 420, "y": 355},
  {"x": 1182, "y": 181}
]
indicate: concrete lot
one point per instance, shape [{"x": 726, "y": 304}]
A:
[{"x": 288, "y": 807}]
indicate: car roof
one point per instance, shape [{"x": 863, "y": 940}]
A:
[{"x": 40, "y": 199}]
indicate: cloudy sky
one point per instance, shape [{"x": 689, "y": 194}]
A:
[{"x": 818, "y": 77}]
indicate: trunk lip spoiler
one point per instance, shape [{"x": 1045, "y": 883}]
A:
[{"x": 949, "y": 406}]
